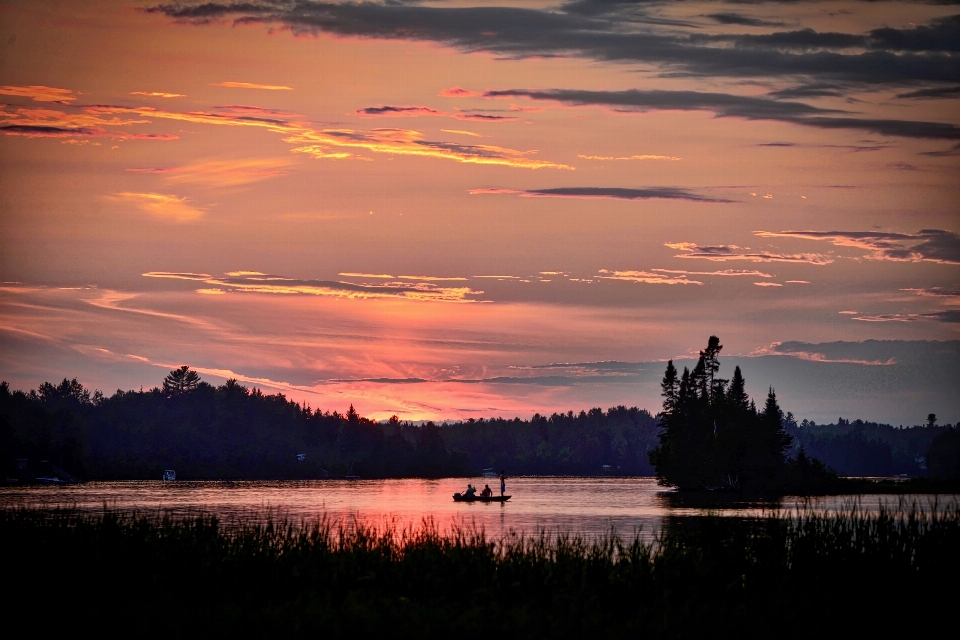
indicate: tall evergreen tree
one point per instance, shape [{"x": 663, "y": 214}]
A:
[{"x": 180, "y": 381}]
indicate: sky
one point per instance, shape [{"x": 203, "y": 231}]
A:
[{"x": 453, "y": 209}]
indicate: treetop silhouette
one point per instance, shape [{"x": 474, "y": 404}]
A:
[{"x": 180, "y": 381}]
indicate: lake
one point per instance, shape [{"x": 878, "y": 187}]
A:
[{"x": 590, "y": 506}]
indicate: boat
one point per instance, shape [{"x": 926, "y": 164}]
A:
[{"x": 458, "y": 497}]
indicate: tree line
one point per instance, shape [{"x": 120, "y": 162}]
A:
[{"x": 709, "y": 435}]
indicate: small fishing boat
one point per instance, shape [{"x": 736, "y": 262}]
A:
[{"x": 458, "y": 497}]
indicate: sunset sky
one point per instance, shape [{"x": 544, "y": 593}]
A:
[{"x": 456, "y": 209}]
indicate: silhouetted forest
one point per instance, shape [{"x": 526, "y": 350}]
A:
[
  {"x": 232, "y": 432},
  {"x": 202, "y": 431},
  {"x": 713, "y": 437}
]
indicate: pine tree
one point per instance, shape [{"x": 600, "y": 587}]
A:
[
  {"x": 180, "y": 381},
  {"x": 670, "y": 388},
  {"x": 737, "y": 397}
]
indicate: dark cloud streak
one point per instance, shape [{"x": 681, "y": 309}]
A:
[
  {"x": 729, "y": 105},
  {"x": 616, "y": 31}
]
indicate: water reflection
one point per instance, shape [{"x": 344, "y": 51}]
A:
[{"x": 590, "y": 506}]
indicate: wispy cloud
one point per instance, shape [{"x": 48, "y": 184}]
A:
[
  {"x": 639, "y": 157},
  {"x": 646, "y": 277},
  {"x": 805, "y": 351},
  {"x": 459, "y": 92},
  {"x": 39, "y": 93},
  {"x": 612, "y": 193},
  {"x": 951, "y": 295},
  {"x": 256, "y": 282},
  {"x": 223, "y": 173},
  {"x": 157, "y": 94},
  {"x": 314, "y": 142},
  {"x": 726, "y": 105},
  {"x": 725, "y": 252},
  {"x": 418, "y": 111},
  {"x": 462, "y": 132},
  {"x": 49, "y": 123},
  {"x": 252, "y": 85},
  {"x": 724, "y": 272},
  {"x": 163, "y": 206},
  {"x": 622, "y": 32},
  {"x": 950, "y": 316},
  {"x": 927, "y": 245}
]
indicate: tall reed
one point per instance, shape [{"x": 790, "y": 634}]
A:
[{"x": 795, "y": 573}]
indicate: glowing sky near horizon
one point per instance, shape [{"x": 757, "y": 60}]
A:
[{"x": 457, "y": 209}]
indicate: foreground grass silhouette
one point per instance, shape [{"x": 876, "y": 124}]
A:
[{"x": 788, "y": 574}]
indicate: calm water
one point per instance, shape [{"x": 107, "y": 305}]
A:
[{"x": 584, "y": 505}]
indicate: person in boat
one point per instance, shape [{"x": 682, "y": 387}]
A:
[
  {"x": 487, "y": 492},
  {"x": 470, "y": 492},
  {"x": 503, "y": 483}
]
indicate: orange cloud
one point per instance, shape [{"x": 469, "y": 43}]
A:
[
  {"x": 252, "y": 85},
  {"x": 256, "y": 282},
  {"x": 459, "y": 92},
  {"x": 927, "y": 245},
  {"x": 223, "y": 173},
  {"x": 462, "y": 133},
  {"x": 725, "y": 272},
  {"x": 646, "y": 277},
  {"x": 316, "y": 143},
  {"x": 49, "y": 123},
  {"x": 157, "y": 94},
  {"x": 643, "y": 157},
  {"x": 725, "y": 252},
  {"x": 166, "y": 207},
  {"x": 39, "y": 93}
]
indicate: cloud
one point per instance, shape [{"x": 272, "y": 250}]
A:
[
  {"x": 157, "y": 94},
  {"x": 251, "y": 85},
  {"x": 462, "y": 133},
  {"x": 742, "y": 20},
  {"x": 724, "y": 272},
  {"x": 418, "y": 111},
  {"x": 164, "y": 206},
  {"x": 314, "y": 142},
  {"x": 950, "y": 316},
  {"x": 43, "y": 122},
  {"x": 384, "y": 276},
  {"x": 459, "y": 92},
  {"x": 933, "y": 92},
  {"x": 927, "y": 245},
  {"x": 641, "y": 157},
  {"x": 724, "y": 252},
  {"x": 646, "y": 277},
  {"x": 223, "y": 173},
  {"x": 39, "y": 93},
  {"x": 937, "y": 292},
  {"x": 257, "y": 282},
  {"x": 836, "y": 352},
  {"x": 624, "y": 32},
  {"x": 726, "y": 105},
  {"x": 615, "y": 193}
]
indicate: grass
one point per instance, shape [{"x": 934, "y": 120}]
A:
[{"x": 786, "y": 574}]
